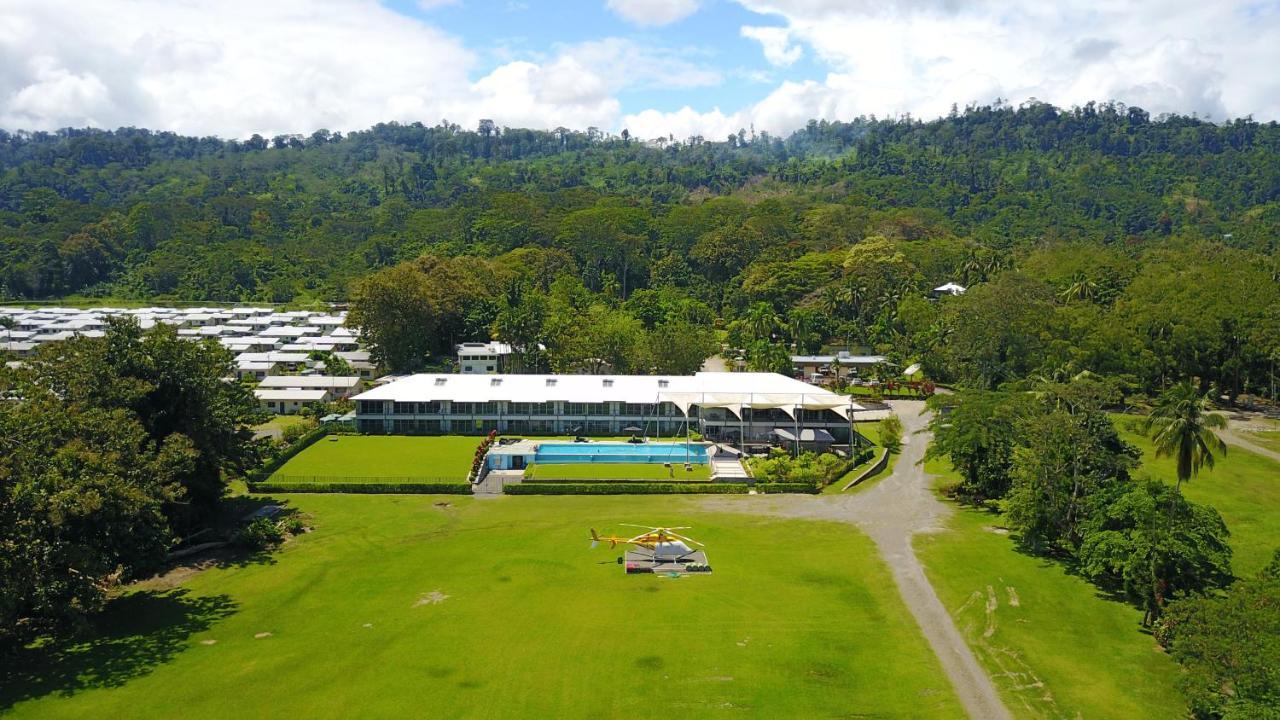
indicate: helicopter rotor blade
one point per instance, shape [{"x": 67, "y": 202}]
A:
[{"x": 688, "y": 539}]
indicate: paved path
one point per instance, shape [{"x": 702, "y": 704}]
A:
[
  {"x": 1237, "y": 433},
  {"x": 891, "y": 512}
]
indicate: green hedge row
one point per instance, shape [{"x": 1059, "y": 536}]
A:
[
  {"x": 584, "y": 481},
  {"x": 630, "y": 488},
  {"x": 786, "y": 487},
  {"x": 365, "y": 488}
]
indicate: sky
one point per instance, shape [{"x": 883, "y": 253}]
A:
[{"x": 678, "y": 68}]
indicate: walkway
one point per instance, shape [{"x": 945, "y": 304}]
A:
[
  {"x": 1237, "y": 433},
  {"x": 891, "y": 512}
]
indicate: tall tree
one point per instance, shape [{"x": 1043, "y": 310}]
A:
[{"x": 1181, "y": 427}]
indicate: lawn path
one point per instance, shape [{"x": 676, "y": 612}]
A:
[
  {"x": 891, "y": 513},
  {"x": 1232, "y": 437}
]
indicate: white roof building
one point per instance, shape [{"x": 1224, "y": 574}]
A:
[{"x": 732, "y": 391}]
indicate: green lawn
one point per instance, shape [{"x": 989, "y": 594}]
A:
[
  {"x": 872, "y": 432},
  {"x": 1244, "y": 487},
  {"x": 280, "y": 422},
  {"x": 621, "y": 471},
  {"x": 382, "y": 457},
  {"x": 397, "y": 606},
  {"x": 1269, "y": 439},
  {"x": 1053, "y": 645}
]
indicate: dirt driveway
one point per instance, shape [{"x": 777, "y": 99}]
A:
[{"x": 891, "y": 512}]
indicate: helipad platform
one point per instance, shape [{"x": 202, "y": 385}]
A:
[{"x": 643, "y": 561}]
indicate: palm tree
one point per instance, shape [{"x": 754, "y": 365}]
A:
[
  {"x": 1079, "y": 288},
  {"x": 761, "y": 321},
  {"x": 1182, "y": 426}
]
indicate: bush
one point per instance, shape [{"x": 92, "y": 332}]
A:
[
  {"x": 291, "y": 433},
  {"x": 294, "y": 526},
  {"x": 809, "y": 468},
  {"x": 365, "y": 488},
  {"x": 261, "y": 534},
  {"x": 891, "y": 434},
  {"x": 773, "y": 488},
  {"x": 631, "y": 488}
]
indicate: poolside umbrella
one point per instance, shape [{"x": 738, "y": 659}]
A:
[{"x": 632, "y": 429}]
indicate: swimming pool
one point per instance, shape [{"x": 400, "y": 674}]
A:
[{"x": 675, "y": 453}]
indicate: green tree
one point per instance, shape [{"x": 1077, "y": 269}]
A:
[
  {"x": 978, "y": 432},
  {"x": 679, "y": 347},
  {"x": 1181, "y": 427},
  {"x": 1229, "y": 648},
  {"x": 174, "y": 387},
  {"x": 1153, "y": 545},
  {"x": 891, "y": 434},
  {"x": 394, "y": 312}
]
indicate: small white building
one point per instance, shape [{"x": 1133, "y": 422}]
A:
[
  {"x": 482, "y": 358},
  {"x": 338, "y": 387}
]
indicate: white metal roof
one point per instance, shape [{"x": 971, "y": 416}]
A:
[
  {"x": 303, "y": 395},
  {"x": 705, "y": 388},
  {"x": 309, "y": 381}
]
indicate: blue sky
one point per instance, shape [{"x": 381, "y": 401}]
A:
[{"x": 655, "y": 67}]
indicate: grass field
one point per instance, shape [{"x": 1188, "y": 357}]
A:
[
  {"x": 375, "y": 457},
  {"x": 1244, "y": 487},
  {"x": 280, "y": 422},
  {"x": 1269, "y": 439},
  {"x": 621, "y": 471},
  {"x": 397, "y": 606},
  {"x": 1054, "y": 647}
]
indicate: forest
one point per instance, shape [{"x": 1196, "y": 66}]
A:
[{"x": 1096, "y": 238}]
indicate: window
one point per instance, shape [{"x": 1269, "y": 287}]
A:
[
  {"x": 575, "y": 408},
  {"x": 488, "y": 368}
]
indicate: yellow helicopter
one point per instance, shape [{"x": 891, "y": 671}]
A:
[{"x": 658, "y": 544}]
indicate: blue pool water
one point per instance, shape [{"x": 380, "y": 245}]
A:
[{"x": 550, "y": 453}]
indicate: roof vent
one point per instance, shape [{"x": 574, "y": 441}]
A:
[
  {"x": 494, "y": 382},
  {"x": 663, "y": 383},
  {"x": 608, "y": 382},
  {"x": 551, "y": 382},
  {"x": 441, "y": 381}
]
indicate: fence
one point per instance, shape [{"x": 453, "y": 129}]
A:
[
  {"x": 365, "y": 488},
  {"x": 368, "y": 479}
]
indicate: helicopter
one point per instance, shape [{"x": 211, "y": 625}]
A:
[{"x": 656, "y": 544}]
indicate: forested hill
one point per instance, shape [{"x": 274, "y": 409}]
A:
[{"x": 137, "y": 214}]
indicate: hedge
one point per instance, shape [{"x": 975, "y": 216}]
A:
[
  {"x": 364, "y": 488},
  {"x": 631, "y": 488},
  {"x": 786, "y": 487},
  {"x": 584, "y": 481}
]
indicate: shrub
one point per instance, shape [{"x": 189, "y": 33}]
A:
[
  {"x": 772, "y": 488},
  {"x": 809, "y": 468},
  {"x": 891, "y": 434},
  {"x": 260, "y": 534},
  {"x": 291, "y": 433},
  {"x": 294, "y": 526}
]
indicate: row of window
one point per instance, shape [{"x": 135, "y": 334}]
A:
[{"x": 374, "y": 407}]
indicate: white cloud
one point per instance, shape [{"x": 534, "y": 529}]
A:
[
  {"x": 236, "y": 67},
  {"x": 776, "y": 43},
  {"x": 653, "y": 13},
  {"x": 921, "y": 56},
  {"x": 430, "y": 5}
]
